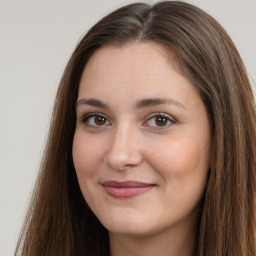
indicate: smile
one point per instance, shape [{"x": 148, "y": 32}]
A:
[{"x": 126, "y": 189}]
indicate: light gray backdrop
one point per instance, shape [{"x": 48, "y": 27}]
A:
[{"x": 36, "y": 40}]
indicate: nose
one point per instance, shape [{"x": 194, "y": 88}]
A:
[{"x": 124, "y": 149}]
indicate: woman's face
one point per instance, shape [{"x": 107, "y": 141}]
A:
[{"x": 142, "y": 141}]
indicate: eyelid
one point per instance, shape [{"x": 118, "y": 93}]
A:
[
  {"x": 169, "y": 117},
  {"x": 160, "y": 114},
  {"x": 89, "y": 114},
  {"x": 85, "y": 117}
]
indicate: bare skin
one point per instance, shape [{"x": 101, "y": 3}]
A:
[{"x": 141, "y": 149}]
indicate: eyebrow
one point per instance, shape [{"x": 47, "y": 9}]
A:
[
  {"x": 158, "y": 101},
  {"x": 149, "y": 102},
  {"x": 92, "y": 102}
]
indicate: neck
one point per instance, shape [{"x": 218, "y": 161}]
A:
[{"x": 173, "y": 242}]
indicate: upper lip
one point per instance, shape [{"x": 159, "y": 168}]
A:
[{"x": 126, "y": 184}]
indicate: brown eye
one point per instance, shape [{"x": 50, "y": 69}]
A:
[
  {"x": 100, "y": 120},
  {"x": 95, "y": 120},
  {"x": 161, "y": 121}
]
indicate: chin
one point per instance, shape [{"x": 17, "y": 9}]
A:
[{"x": 128, "y": 226}]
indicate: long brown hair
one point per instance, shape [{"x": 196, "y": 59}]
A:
[{"x": 59, "y": 222}]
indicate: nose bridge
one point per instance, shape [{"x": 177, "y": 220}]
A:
[{"x": 123, "y": 150}]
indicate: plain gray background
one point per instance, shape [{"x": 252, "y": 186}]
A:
[{"x": 36, "y": 40}]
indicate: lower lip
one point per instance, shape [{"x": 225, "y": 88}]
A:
[{"x": 126, "y": 192}]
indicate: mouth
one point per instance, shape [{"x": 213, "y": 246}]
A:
[{"x": 126, "y": 189}]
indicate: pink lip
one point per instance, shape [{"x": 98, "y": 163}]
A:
[{"x": 126, "y": 189}]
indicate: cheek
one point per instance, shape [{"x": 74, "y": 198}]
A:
[
  {"x": 86, "y": 155},
  {"x": 86, "y": 158},
  {"x": 182, "y": 160}
]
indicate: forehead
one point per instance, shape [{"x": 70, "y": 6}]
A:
[
  {"x": 123, "y": 75},
  {"x": 134, "y": 51},
  {"x": 120, "y": 77},
  {"x": 133, "y": 64}
]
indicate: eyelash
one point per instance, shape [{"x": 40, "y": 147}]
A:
[
  {"x": 170, "y": 120},
  {"x": 167, "y": 117},
  {"x": 86, "y": 119}
]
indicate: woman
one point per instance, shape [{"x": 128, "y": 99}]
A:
[{"x": 152, "y": 145}]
